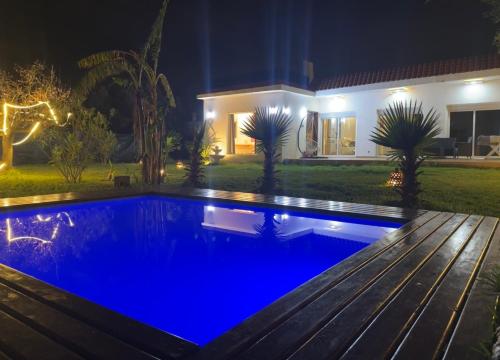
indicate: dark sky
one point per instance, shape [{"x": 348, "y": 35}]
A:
[{"x": 211, "y": 44}]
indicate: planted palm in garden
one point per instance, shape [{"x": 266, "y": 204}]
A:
[
  {"x": 194, "y": 169},
  {"x": 407, "y": 131},
  {"x": 153, "y": 96},
  {"x": 271, "y": 132}
]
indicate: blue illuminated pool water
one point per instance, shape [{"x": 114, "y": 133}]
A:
[{"x": 190, "y": 268}]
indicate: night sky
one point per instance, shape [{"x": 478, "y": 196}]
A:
[{"x": 212, "y": 44}]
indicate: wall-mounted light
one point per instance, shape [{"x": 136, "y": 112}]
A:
[
  {"x": 303, "y": 112},
  {"x": 210, "y": 115},
  {"x": 287, "y": 111},
  {"x": 474, "y": 81},
  {"x": 399, "y": 93},
  {"x": 338, "y": 104}
]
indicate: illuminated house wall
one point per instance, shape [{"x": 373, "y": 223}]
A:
[{"x": 444, "y": 93}]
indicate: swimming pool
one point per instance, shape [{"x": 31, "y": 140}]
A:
[{"x": 192, "y": 268}]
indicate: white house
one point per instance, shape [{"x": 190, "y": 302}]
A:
[{"x": 336, "y": 116}]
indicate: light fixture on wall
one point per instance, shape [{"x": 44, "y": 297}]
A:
[
  {"x": 210, "y": 115},
  {"x": 303, "y": 112},
  {"x": 287, "y": 111},
  {"x": 338, "y": 103},
  {"x": 399, "y": 93},
  {"x": 474, "y": 81}
]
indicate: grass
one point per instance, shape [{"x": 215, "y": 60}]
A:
[{"x": 447, "y": 189}]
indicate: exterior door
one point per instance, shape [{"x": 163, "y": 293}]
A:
[{"x": 339, "y": 136}]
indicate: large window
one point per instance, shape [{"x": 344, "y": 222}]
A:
[
  {"x": 468, "y": 126},
  {"x": 339, "y": 136},
  {"x": 238, "y": 142}
]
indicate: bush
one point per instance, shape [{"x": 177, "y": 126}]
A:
[{"x": 73, "y": 147}]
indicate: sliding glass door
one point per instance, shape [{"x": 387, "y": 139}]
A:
[
  {"x": 468, "y": 126},
  {"x": 339, "y": 136}
]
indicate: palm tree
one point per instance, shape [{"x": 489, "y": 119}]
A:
[
  {"x": 405, "y": 130},
  {"x": 271, "y": 132},
  {"x": 194, "y": 170},
  {"x": 153, "y": 96}
]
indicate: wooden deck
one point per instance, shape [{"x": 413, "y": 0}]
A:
[{"x": 412, "y": 295}]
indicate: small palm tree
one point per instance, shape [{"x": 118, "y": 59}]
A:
[
  {"x": 405, "y": 130},
  {"x": 271, "y": 132},
  {"x": 194, "y": 170}
]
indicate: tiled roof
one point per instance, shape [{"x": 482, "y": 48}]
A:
[{"x": 442, "y": 67}]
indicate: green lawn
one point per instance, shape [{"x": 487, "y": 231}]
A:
[{"x": 450, "y": 189}]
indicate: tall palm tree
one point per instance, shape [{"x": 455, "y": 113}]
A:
[
  {"x": 153, "y": 95},
  {"x": 271, "y": 132},
  {"x": 407, "y": 131}
]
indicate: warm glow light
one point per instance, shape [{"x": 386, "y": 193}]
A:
[
  {"x": 395, "y": 178},
  {"x": 162, "y": 172},
  {"x": 210, "y": 115},
  {"x": 5, "y": 124},
  {"x": 303, "y": 112},
  {"x": 11, "y": 238},
  {"x": 179, "y": 165},
  {"x": 474, "y": 81},
  {"x": 27, "y": 137},
  {"x": 399, "y": 94}
]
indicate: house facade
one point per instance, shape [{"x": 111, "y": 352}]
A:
[{"x": 335, "y": 117}]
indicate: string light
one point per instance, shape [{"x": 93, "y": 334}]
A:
[{"x": 34, "y": 128}]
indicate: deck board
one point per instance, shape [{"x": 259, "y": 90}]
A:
[
  {"x": 415, "y": 291},
  {"x": 427, "y": 336},
  {"x": 19, "y": 341},
  {"x": 468, "y": 335},
  {"x": 400, "y": 313}
]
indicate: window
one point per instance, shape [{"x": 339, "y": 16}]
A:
[
  {"x": 339, "y": 136},
  {"x": 467, "y": 126}
]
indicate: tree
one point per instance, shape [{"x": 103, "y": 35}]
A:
[
  {"x": 494, "y": 15},
  {"x": 194, "y": 169},
  {"x": 153, "y": 95},
  {"x": 28, "y": 98},
  {"x": 271, "y": 132},
  {"x": 405, "y": 130},
  {"x": 85, "y": 139}
]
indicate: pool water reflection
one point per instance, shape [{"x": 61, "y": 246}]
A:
[{"x": 191, "y": 268}]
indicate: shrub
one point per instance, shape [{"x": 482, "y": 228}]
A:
[{"x": 84, "y": 139}]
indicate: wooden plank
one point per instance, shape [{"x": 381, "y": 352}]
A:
[
  {"x": 247, "y": 333},
  {"x": 292, "y": 333},
  {"x": 472, "y": 328},
  {"x": 142, "y": 336},
  {"x": 427, "y": 337},
  {"x": 335, "y": 336},
  {"x": 19, "y": 341},
  {"x": 77, "y": 336},
  {"x": 400, "y": 313}
]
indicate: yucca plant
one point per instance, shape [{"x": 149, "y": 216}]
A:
[
  {"x": 153, "y": 97},
  {"x": 194, "y": 169},
  {"x": 271, "y": 132},
  {"x": 407, "y": 132}
]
